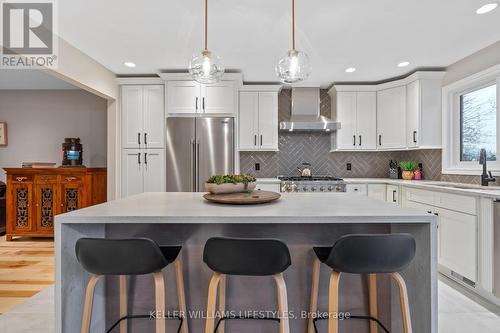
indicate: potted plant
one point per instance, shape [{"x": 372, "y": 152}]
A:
[
  {"x": 230, "y": 184},
  {"x": 408, "y": 168}
]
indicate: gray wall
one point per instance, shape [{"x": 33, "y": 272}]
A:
[
  {"x": 39, "y": 120},
  {"x": 476, "y": 62}
]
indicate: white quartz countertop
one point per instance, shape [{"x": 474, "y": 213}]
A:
[{"x": 186, "y": 207}]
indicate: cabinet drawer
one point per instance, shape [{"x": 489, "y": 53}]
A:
[
  {"x": 459, "y": 203},
  {"x": 22, "y": 178},
  {"x": 43, "y": 179},
  {"x": 267, "y": 187},
  {"x": 357, "y": 188},
  {"x": 422, "y": 196},
  {"x": 71, "y": 178}
]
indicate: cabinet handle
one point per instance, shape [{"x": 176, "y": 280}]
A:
[
  {"x": 380, "y": 139},
  {"x": 360, "y": 140},
  {"x": 145, "y": 138},
  {"x": 437, "y": 214},
  {"x": 21, "y": 179},
  {"x": 261, "y": 139},
  {"x": 138, "y": 138},
  {"x": 70, "y": 179},
  {"x": 414, "y": 136},
  {"x": 429, "y": 212},
  {"x": 354, "y": 140},
  {"x": 255, "y": 140},
  {"x": 196, "y": 104},
  {"x": 393, "y": 195},
  {"x": 145, "y": 158},
  {"x": 139, "y": 158},
  {"x": 203, "y": 103}
]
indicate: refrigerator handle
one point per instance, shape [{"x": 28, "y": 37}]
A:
[
  {"x": 197, "y": 164},
  {"x": 193, "y": 166}
]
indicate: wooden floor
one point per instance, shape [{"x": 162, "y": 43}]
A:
[{"x": 26, "y": 267}]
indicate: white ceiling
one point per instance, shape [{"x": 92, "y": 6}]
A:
[
  {"x": 30, "y": 79},
  {"x": 251, "y": 35}
]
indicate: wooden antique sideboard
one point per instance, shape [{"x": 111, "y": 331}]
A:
[{"x": 35, "y": 196}]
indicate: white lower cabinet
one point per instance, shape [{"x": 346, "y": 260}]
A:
[
  {"x": 458, "y": 242},
  {"x": 143, "y": 170},
  {"x": 377, "y": 191},
  {"x": 457, "y": 228},
  {"x": 392, "y": 194}
]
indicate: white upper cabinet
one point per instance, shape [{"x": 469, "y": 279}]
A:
[
  {"x": 423, "y": 112},
  {"x": 391, "y": 114},
  {"x": 183, "y": 97},
  {"x": 258, "y": 119},
  {"x": 357, "y": 114},
  {"x": 397, "y": 115},
  {"x": 142, "y": 111},
  {"x": 218, "y": 97},
  {"x": 190, "y": 97}
]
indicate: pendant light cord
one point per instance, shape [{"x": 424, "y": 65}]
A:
[
  {"x": 206, "y": 25},
  {"x": 293, "y": 24}
]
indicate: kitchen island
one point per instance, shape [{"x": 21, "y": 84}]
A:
[{"x": 302, "y": 220}]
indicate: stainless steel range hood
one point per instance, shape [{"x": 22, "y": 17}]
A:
[{"x": 306, "y": 113}]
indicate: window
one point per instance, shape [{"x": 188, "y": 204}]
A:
[
  {"x": 471, "y": 121},
  {"x": 478, "y": 125}
]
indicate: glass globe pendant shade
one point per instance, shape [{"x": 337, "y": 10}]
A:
[
  {"x": 206, "y": 67},
  {"x": 293, "y": 67}
]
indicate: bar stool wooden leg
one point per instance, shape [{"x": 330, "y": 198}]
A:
[
  {"x": 160, "y": 301},
  {"x": 372, "y": 300},
  {"x": 212, "y": 300},
  {"x": 313, "y": 304},
  {"x": 123, "y": 303},
  {"x": 403, "y": 301},
  {"x": 181, "y": 296},
  {"x": 222, "y": 301},
  {"x": 282, "y": 303},
  {"x": 333, "y": 302},
  {"x": 87, "y": 306}
]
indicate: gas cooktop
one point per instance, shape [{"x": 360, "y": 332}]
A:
[
  {"x": 312, "y": 184},
  {"x": 312, "y": 178}
]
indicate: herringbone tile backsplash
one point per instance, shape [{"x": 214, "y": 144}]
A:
[{"x": 296, "y": 148}]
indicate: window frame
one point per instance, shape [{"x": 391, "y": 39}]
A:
[{"x": 452, "y": 122}]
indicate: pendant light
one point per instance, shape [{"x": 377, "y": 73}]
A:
[
  {"x": 294, "y": 66},
  {"x": 206, "y": 67}
]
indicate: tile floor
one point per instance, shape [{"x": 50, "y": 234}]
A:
[{"x": 457, "y": 314}]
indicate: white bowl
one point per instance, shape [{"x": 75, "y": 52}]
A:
[{"x": 229, "y": 188}]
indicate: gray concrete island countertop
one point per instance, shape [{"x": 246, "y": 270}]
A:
[{"x": 302, "y": 220}]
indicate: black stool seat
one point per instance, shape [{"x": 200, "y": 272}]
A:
[
  {"x": 365, "y": 254},
  {"x": 246, "y": 256},
  {"x": 132, "y": 256}
]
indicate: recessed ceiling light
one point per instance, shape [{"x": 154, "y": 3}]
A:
[
  {"x": 486, "y": 8},
  {"x": 129, "y": 64},
  {"x": 350, "y": 70},
  {"x": 403, "y": 64}
]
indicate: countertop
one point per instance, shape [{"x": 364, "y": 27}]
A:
[
  {"x": 184, "y": 207},
  {"x": 472, "y": 190}
]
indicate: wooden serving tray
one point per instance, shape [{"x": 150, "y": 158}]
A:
[{"x": 252, "y": 198}]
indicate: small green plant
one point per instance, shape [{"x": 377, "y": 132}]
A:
[
  {"x": 231, "y": 179},
  {"x": 408, "y": 165}
]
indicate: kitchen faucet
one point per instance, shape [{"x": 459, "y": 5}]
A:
[{"x": 486, "y": 177}]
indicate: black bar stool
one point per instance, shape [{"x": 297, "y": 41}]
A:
[
  {"x": 249, "y": 257},
  {"x": 133, "y": 256},
  {"x": 363, "y": 254}
]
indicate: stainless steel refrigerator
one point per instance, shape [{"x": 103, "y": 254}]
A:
[{"x": 198, "y": 148}]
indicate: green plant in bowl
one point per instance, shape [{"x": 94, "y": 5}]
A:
[
  {"x": 219, "y": 184},
  {"x": 408, "y": 168}
]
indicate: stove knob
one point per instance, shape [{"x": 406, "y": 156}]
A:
[
  {"x": 304, "y": 189},
  {"x": 322, "y": 188},
  {"x": 339, "y": 189},
  {"x": 313, "y": 188},
  {"x": 330, "y": 188}
]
